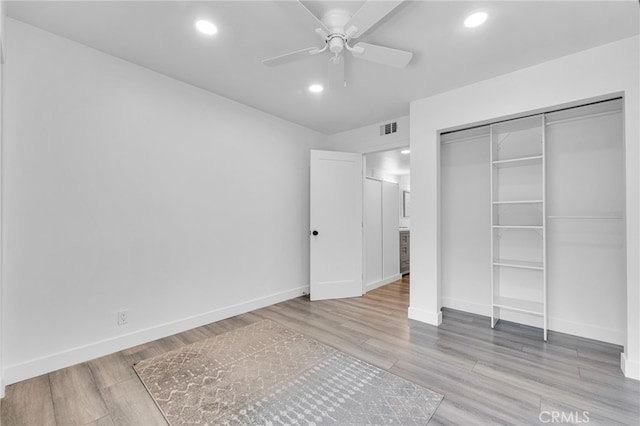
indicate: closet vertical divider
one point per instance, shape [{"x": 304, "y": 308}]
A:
[
  {"x": 518, "y": 219},
  {"x": 545, "y": 317}
]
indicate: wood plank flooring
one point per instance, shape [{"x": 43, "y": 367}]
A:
[{"x": 502, "y": 376}]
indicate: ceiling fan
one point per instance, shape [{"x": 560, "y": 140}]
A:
[{"x": 337, "y": 28}]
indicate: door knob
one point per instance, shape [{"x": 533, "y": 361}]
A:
[{"x": 314, "y": 233}]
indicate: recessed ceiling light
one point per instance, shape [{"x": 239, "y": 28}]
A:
[
  {"x": 475, "y": 19},
  {"x": 206, "y": 27},
  {"x": 316, "y": 88},
  {"x": 405, "y": 151}
]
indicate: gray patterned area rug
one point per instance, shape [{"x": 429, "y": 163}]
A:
[{"x": 266, "y": 374}]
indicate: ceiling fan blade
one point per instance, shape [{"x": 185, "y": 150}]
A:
[
  {"x": 368, "y": 15},
  {"x": 313, "y": 19},
  {"x": 290, "y": 57},
  {"x": 336, "y": 71},
  {"x": 382, "y": 55}
]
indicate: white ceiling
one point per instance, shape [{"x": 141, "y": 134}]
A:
[{"x": 160, "y": 35}]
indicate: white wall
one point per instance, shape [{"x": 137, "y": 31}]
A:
[
  {"x": 380, "y": 174},
  {"x": 594, "y": 73},
  {"x": 367, "y": 139},
  {"x": 2, "y": 25},
  {"x": 125, "y": 189}
]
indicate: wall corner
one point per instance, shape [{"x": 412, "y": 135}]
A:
[
  {"x": 427, "y": 317},
  {"x": 630, "y": 368}
]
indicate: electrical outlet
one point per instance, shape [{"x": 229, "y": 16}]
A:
[{"x": 123, "y": 317}]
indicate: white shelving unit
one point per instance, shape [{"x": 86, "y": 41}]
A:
[{"x": 518, "y": 219}]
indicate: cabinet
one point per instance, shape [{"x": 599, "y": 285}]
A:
[
  {"x": 405, "y": 237},
  {"x": 518, "y": 219}
]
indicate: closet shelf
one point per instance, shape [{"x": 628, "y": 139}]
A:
[
  {"x": 587, "y": 217},
  {"x": 522, "y": 264},
  {"x": 518, "y": 162},
  {"x": 518, "y": 202},
  {"x": 517, "y": 226},
  {"x": 519, "y": 305},
  {"x": 581, "y": 117},
  {"x": 517, "y": 187}
]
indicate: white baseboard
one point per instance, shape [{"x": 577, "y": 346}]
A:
[
  {"x": 432, "y": 318},
  {"x": 385, "y": 281},
  {"x": 630, "y": 368},
  {"x": 467, "y": 306},
  {"x": 484, "y": 309},
  {"x": 35, "y": 367},
  {"x": 588, "y": 331}
]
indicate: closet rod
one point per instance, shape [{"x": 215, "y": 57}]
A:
[
  {"x": 530, "y": 115},
  {"x": 467, "y": 139}
]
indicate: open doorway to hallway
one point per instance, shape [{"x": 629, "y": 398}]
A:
[{"x": 387, "y": 216}]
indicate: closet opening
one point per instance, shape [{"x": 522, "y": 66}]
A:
[
  {"x": 387, "y": 216},
  {"x": 532, "y": 220}
]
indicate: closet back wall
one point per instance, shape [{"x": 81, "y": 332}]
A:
[
  {"x": 126, "y": 189},
  {"x": 585, "y": 226},
  {"x": 465, "y": 213}
]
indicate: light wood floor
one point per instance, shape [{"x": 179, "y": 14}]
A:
[{"x": 502, "y": 376}]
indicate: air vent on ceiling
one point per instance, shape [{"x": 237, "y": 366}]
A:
[{"x": 386, "y": 129}]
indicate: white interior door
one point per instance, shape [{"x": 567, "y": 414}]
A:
[{"x": 336, "y": 225}]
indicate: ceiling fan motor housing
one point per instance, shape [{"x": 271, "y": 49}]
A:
[{"x": 335, "y": 20}]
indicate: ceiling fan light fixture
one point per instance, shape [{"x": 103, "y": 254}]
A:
[
  {"x": 206, "y": 27},
  {"x": 316, "y": 88},
  {"x": 336, "y": 44},
  {"x": 475, "y": 19}
]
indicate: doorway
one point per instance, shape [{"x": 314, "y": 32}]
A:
[{"x": 387, "y": 216}]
